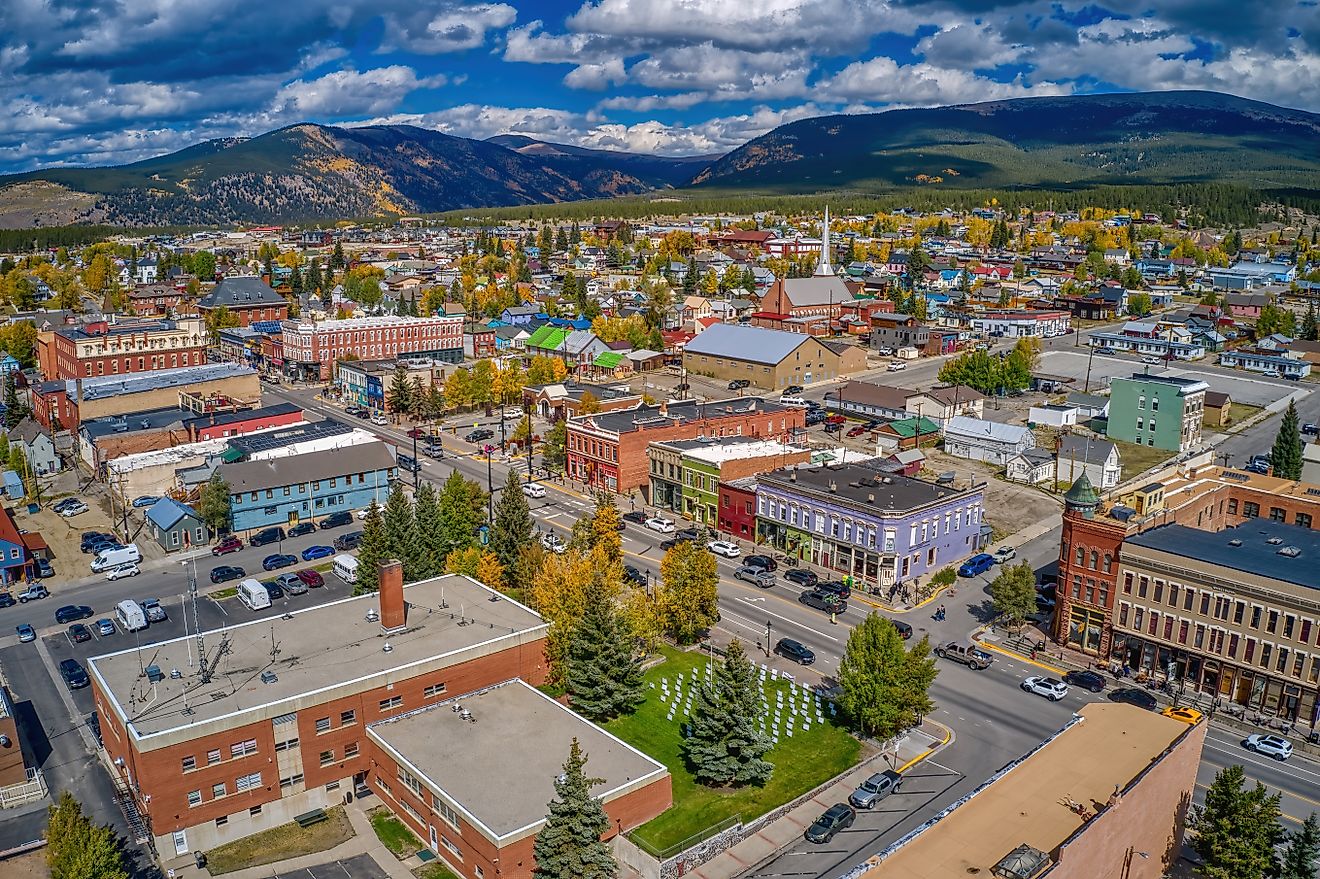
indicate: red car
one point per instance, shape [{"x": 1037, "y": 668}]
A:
[
  {"x": 311, "y": 578},
  {"x": 858, "y": 430},
  {"x": 227, "y": 545},
  {"x": 836, "y": 419}
]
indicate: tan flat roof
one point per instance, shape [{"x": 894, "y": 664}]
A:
[
  {"x": 1109, "y": 747},
  {"x": 520, "y": 738},
  {"x": 315, "y": 654}
]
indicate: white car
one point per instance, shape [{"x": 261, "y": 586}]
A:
[
  {"x": 724, "y": 548},
  {"x": 658, "y": 523},
  {"x": 1004, "y": 554},
  {"x": 378, "y": 419},
  {"x": 1152, "y": 359},
  {"x": 118, "y": 572},
  {"x": 1271, "y": 746},
  {"x": 553, "y": 543},
  {"x": 1269, "y": 373},
  {"x": 512, "y": 412},
  {"x": 73, "y": 510},
  {"x": 1051, "y": 688},
  {"x": 532, "y": 489},
  {"x": 362, "y": 513},
  {"x": 896, "y": 366}
]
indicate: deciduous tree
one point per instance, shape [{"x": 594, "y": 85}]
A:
[
  {"x": 686, "y": 599},
  {"x": 1013, "y": 593},
  {"x": 1237, "y": 829},
  {"x": 884, "y": 686},
  {"x": 78, "y": 849},
  {"x": 554, "y": 446},
  {"x": 213, "y": 503},
  {"x": 725, "y": 747},
  {"x": 461, "y": 509},
  {"x": 569, "y": 844}
]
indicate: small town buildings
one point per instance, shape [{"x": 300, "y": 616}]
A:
[
  {"x": 908, "y": 433},
  {"x": 100, "y": 348},
  {"x": 38, "y": 449},
  {"x": 247, "y": 299},
  {"x": 893, "y": 331},
  {"x": 1053, "y": 415},
  {"x": 1267, "y": 362},
  {"x": 312, "y": 348},
  {"x": 17, "y": 560},
  {"x": 1218, "y": 408},
  {"x": 737, "y": 513},
  {"x": 366, "y": 382},
  {"x": 1097, "y": 458},
  {"x": 1033, "y": 466},
  {"x": 1019, "y": 324},
  {"x": 685, "y": 474},
  {"x": 176, "y": 526},
  {"x": 1088, "y": 405},
  {"x": 67, "y": 403},
  {"x": 989, "y": 441},
  {"x": 559, "y": 400},
  {"x": 770, "y": 359},
  {"x": 1162, "y": 411},
  {"x": 478, "y": 340},
  {"x": 942, "y": 404}
]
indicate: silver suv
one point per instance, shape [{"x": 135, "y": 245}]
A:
[
  {"x": 875, "y": 789},
  {"x": 756, "y": 576},
  {"x": 292, "y": 584}
]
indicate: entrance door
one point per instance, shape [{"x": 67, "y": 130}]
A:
[
  {"x": 435, "y": 842},
  {"x": 180, "y": 842},
  {"x": 293, "y": 517}
]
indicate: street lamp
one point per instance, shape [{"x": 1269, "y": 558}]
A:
[
  {"x": 490, "y": 486},
  {"x": 767, "y": 637}
]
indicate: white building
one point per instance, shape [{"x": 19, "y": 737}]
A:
[{"x": 989, "y": 441}]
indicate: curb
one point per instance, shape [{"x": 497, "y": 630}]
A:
[
  {"x": 1013, "y": 654},
  {"x": 948, "y": 739}
]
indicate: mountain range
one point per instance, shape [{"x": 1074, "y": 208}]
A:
[{"x": 319, "y": 172}]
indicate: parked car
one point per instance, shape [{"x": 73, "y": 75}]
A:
[
  {"x": 856, "y": 431},
  {"x": 1311, "y": 427},
  {"x": 870, "y": 792},
  {"x": 225, "y": 573},
  {"x": 795, "y": 650},
  {"x": 379, "y": 419},
  {"x": 272, "y": 589},
  {"x": 977, "y": 564},
  {"x": 476, "y": 436},
  {"x": 291, "y": 583},
  {"x": 105, "y": 627},
  {"x": 792, "y": 390},
  {"x": 725, "y": 548},
  {"x": 761, "y": 561},
  {"x": 634, "y": 575},
  {"x": 1186, "y": 715},
  {"x": 44, "y": 568},
  {"x": 100, "y": 546},
  {"x": 1151, "y": 359},
  {"x": 348, "y": 541},
  {"x": 79, "y": 633},
  {"x": 66, "y": 502},
  {"x": 637, "y": 517},
  {"x": 1051, "y": 688},
  {"x": 1004, "y": 554},
  {"x": 826, "y": 601},
  {"x": 692, "y": 534},
  {"x": 313, "y": 579},
  {"x": 302, "y": 528},
  {"x": 336, "y": 520},
  {"x": 755, "y": 576},
  {"x": 1271, "y": 746},
  {"x": 837, "y": 587},
  {"x": 831, "y": 427},
  {"x": 7, "y": 600},
  {"x": 73, "y": 510},
  {"x": 738, "y": 384},
  {"x": 533, "y": 489},
  {"x": 75, "y": 676},
  {"x": 682, "y": 386},
  {"x": 278, "y": 560},
  {"x": 1134, "y": 696},
  {"x": 26, "y": 633},
  {"x": 34, "y": 592},
  {"x": 267, "y": 535},
  {"x": 1087, "y": 680},
  {"x": 815, "y": 416},
  {"x": 146, "y": 500},
  {"x": 154, "y": 611},
  {"x": 227, "y": 545},
  {"x": 838, "y": 817},
  {"x": 896, "y": 366},
  {"x": 319, "y": 551},
  {"x": 90, "y": 538},
  {"x": 553, "y": 543},
  {"x": 119, "y": 572},
  {"x": 967, "y": 653},
  {"x": 661, "y": 524},
  {"x": 802, "y": 577}
]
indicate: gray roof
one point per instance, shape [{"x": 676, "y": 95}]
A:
[
  {"x": 1084, "y": 449},
  {"x": 166, "y": 513},
  {"x": 979, "y": 428},
  {"x": 645, "y": 417},
  {"x": 754, "y": 344},
  {"x": 277, "y": 472},
  {"x": 822, "y": 290},
  {"x": 1187, "y": 385},
  {"x": 150, "y": 419},
  {"x": 105, "y": 387},
  {"x": 1255, "y": 555},
  {"x": 27, "y": 430},
  {"x": 870, "y": 394},
  {"x": 1089, "y": 401},
  {"x": 214, "y": 419},
  {"x": 287, "y": 436},
  {"x": 864, "y": 485},
  {"x": 244, "y": 292}
]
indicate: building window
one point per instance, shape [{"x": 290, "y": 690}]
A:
[
  {"x": 286, "y": 783},
  {"x": 1288, "y": 622},
  {"x": 350, "y": 750},
  {"x": 217, "y": 790},
  {"x": 347, "y": 718},
  {"x": 223, "y": 819},
  {"x": 243, "y": 749},
  {"x": 1276, "y": 514},
  {"x": 189, "y": 764},
  {"x": 327, "y": 757},
  {"x": 212, "y": 757},
  {"x": 443, "y": 810},
  {"x": 1127, "y": 583},
  {"x": 410, "y": 781},
  {"x": 322, "y": 724},
  {"x": 1232, "y": 506},
  {"x": 287, "y": 745},
  {"x": 194, "y": 797},
  {"x": 433, "y": 690},
  {"x": 1250, "y": 510},
  {"x": 247, "y": 782},
  {"x": 1302, "y": 520},
  {"x": 392, "y": 702},
  {"x": 1256, "y": 611},
  {"x": 1273, "y": 622}
]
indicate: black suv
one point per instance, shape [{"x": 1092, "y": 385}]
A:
[
  {"x": 409, "y": 463},
  {"x": 837, "y": 587},
  {"x": 74, "y": 674},
  {"x": 904, "y": 630},
  {"x": 336, "y": 520},
  {"x": 790, "y": 649},
  {"x": 738, "y": 384},
  {"x": 691, "y": 534},
  {"x": 267, "y": 535},
  {"x": 351, "y": 540},
  {"x": 826, "y": 601},
  {"x": 802, "y": 577},
  {"x": 792, "y": 390},
  {"x": 1087, "y": 680},
  {"x": 1133, "y": 696},
  {"x": 634, "y": 575},
  {"x": 71, "y": 613},
  {"x": 764, "y": 562},
  {"x": 478, "y": 435},
  {"x": 302, "y": 528},
  {"x": 837, "y": 817}
]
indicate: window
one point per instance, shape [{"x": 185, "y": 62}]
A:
[
  {"x": 1256, "y": 611},
  {"x": 442, "y": 809},
  {"x": 247, "y": 782},
  {"x": 322, "y": 724},
  {"x": 1276, "y": 514},
  {"x": 286, "y": 783},
  {"x": 255, "y": 810},
  {"x": 1288, "y": 622},
  {"x": 453, "y": 849},
  {"x": 1265, "y": 650},
  {"x": 212, "y": 757},
  {"x": 350, "y": 750},
  {"x": 410, "y": 781},
  {"x": 1205, "y": 604},
  {"x": 1154, "y": 406},
  {"x": 1109, "y": 562},
  {"x": 433, "y": 690},
  {"x": 1232, "y": 506},
  {"x": 194, "y": 797},
  {"x": 1239, "y": 608},
  {"x": 1141, "y": 424},
  {"x": 189, "y": 764},
  {"x": 1305, "y": 636},
  {"x": 1127, "y": 583},
  {"x": 243, "y": 749},
  {"x": 327, "y": 757},
  {"x": 217, "y": 790},
  {"x": 1302, "y": 520},
  {"x": 1152, "y": 422},
  {"x": 223, "y": 819},
  {"x": 1250, "y": 510},
  {"x": 347, "y": 718},
  {"x": 1273, "y": 623},
  {"x": 1142, "y": 586},
  {"x": 392, "y": 702},
  {"x": 1095, "y": 558},
  {"x": 287, "y": 745}
]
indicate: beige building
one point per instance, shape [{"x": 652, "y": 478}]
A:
[{"x": 769, "y": 358}]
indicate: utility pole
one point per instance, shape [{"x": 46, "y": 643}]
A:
[{"x": 490, "y": 488}]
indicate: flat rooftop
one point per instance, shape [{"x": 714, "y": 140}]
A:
[
  {"x": 327, "y": 649},
  {"x": 862, "y": 484},
  {"x": 1110, "y": 746},
  {"x": 1287, "y": 553},
  {"x": 520, "y": 738}
]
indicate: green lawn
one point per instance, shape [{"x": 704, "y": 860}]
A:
[
  {"x": 280, "y": 843},
  {"x": 393, "y": 833},
  {"x": 801, "y": 762},
  {"x": 1237, "y": 413},
  {"x": 1137, "y": 459}
]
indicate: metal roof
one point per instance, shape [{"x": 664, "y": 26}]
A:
[
  {"x": 755, "y": 344},
  {"x": 297, "y": 433},
  {"x": 102, "y": 388},
  {"x": 1255, "y": 553},
  {"x": 961, "y": 425},
  {"x": 244, "y": 292},
  {"x": 278, "y": 472}
]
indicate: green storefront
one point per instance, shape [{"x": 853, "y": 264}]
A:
[{"x": 701, "y": 491}]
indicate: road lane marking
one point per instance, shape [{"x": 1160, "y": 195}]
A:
[
  {"x": 1282, "y": 813},
  {"x": 1241, "y": 755}
]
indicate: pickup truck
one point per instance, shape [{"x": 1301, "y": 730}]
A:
[
  {"x": 968, "y": 654},
  {"x": 32, "y": 593}
]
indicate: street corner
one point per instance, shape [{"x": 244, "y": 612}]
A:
[
  {"x": 1027, "y": 659},
  {"x": 922, "y": 743}
]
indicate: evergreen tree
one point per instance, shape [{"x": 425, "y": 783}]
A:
[
  {"x": 401, "y": 531},
  {"x": 1301, "y": 859},
  {"x": 372, "y": 552},
  {"x": 313, "y": 282},
  {"x": 1236, "y": 830},
  {"x": 14, "y": 410},
  {"x": 604, "y": 675},
  {"x": 461, "y": 511},
  {"x": 427, "y": 556},
  {"x": 1310, "y": 332},
  {"x": 337, "y": 262},
  {"x": 398, "y": 397},
  {"x": 569, "y": 845},
  {"x": 513, "y": 522},
  {"x": 78, "y": 849},
  {"x": 725, "y": 747},
  {"x": 1286, "y": 456},
  {"x": 999, "y": 236},
  {"x": 884, "y": 685}
]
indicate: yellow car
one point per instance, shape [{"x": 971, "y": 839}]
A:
[{"x": 1186, "y": 715}]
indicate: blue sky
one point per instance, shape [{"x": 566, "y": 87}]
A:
[{"x": 95, "y": 82}]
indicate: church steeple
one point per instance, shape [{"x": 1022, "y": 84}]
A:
[{"x": 823, "y": 268}]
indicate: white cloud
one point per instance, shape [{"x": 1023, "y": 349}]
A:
[
  {"x": 454, "y": 28},
  {"x": 350, "y": 92},
  {"x": 884, "y": 81},
  {"x": 595, "y": 77}
]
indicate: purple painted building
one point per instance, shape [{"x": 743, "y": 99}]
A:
[{"x": 881, "y": 528}]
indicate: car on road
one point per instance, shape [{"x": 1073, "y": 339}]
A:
[
  {"x": 554, "y": 543},
  {"x": 476, "y": 436},
  {"x": 267, "y": 535},
  {"x": 79, "y": 633},
  {"x": 761, "y": 561},
  {"x": 336, "y": 520},
  {"x": 637, "y": 517},
  {"x": 1186, "y": 715},
  {"x": 291, "y": 583},
  {"x": 682, "y": 386},
  {"x": 1134, "y": 696},
  {"x": 669, "y": 544},
  {"x": 1051, "y": 688},
  {"x": 105, "y": 627},
  {"x": 724, "y": 548},
  {"x": 25, "y": 633},
  {"x": 534, "y": 490},
  {"x": 434, "y": 450},
  {"x": 801, "y": 576},
  {"x": 1087, "y": 680},
  {"x": 227, "y": 545},
  {"x": 278, "y": 560},
  {"x": 146, "y": 500},
  {"x": 792, "y": 390},
  {"x": 896, "y": 366},
  {"x": 318, "y": 551},
  {"x": 856, "y": 431},
  {"x": 977, "y": 564},
  {"x": 119, "y": 572},
  {"x": 1151, "y": 359},
  {"x": 1271, "y": 746},
  {"x": 1104, "y": 350},
  {"x": 870, "y": 792},
  {"x": 837, "y": 587},
  {"x": 738, "y": 384},
  {"x": 967, "y": 653},
  {"x": 418, "y": 433},
  {"x": 756, "y": 576},
  {"x": 7, "y": 600},
  {"x": 661, "y": 524},
  {"x": 379, "y": 419},
  {"x": 353, "y": 410},
  {"x": 1004, "y": 554},
  {"x": 838, "y": 817},
  {"x": 826, "y": 601},
  {"x": 795, "y": 650},
  {"x": 347, "y": 541},
  {"x": 904, "y": 630},
  {"x": 1310, "y": 427},
  {"x": 634, "y": 574},
  {"x": 35, "y": 592},
  {"x": 71, "y": 613},
  {"x": 408, "y": 463},
  {"x": 90, "y": 538},
  {"x": 302, "y": 528},
  {"x": 225, "y": 573},
  {"x": 74, "y": 674}
]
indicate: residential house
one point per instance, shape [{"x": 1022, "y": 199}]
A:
[
  {"x": 478, "y": 340},
  {"x": 16, "y": 561},
  {"x": 559, "y": 400},
  {"x": 175, "y": 525},
  {"x": 1218, "y": 408},
  {"x": 894, "y": 331},
  {"x": 37, "y": 446},
  {"x": 942, "y": 404},
  {"x": 1052, "y": 415},
  {"x": 1088, "y": 405},
  {"x": 769, "y": 358},
  {"x": 1033, "y": 466},
  {"x": 1097, "y": 458},
  {"x": 989, "y": 441},
  {"x": 1161, "y": 411},
  {"x": 247, "y": 299},
  {"x": 1245, "y": 306},
  {"x": 868, "y": 400},
  {"x": 1284, "y": 364},
  {"x": 908, "y": 433}
]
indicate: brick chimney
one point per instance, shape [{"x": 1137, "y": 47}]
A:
[{"x": 393, "y": 610}]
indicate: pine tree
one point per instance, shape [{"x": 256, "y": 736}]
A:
[
  {"x": 14, "y": 410},
  {"x": 1236, "y": 830},
  {"x": 1301, "y": 858},
  {"x": 372, "y": 552},
  {"x": 398, "y": 397},
  {"x": 1310, "y": 332},
  {"x": 884, "y": 685},
  {"x": 461, "y": 511},
  {"x": 604, "y": 676},
  {"x": 569, "y": 845},
  {"x": 513, "y": 522},
  {"x": 725, "y": 747},
  {"x": 428, "y": 558},
  {"x": 1286, "y": 456},
  {"x": 400, "y": 531},
  {"x": 77, "y": 848},
  {"x": 337, "y": 257}
]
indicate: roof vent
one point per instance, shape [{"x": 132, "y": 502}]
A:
[
  {"x": 1235, "y": 542},
  {"x": 1274, "y": 541},
  {"x": 154, "y": 674},
  {"x": 372, "y": 616},
  {"x": 269, "y": 677},
  {"x": 834, "y": 486},
  {"x": 1290, "y": 551},
  {"x": 387, "y": 648},
  {"x": 175, "y": 674},
  {"x": 870, "y": 498},
  {"x": 1023, "y": 862}
]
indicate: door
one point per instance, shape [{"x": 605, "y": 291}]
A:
[
  {"x": 435, "y": 842},
  {"x": 293, "y": 517},
  {"x": 180, "y": 842}
]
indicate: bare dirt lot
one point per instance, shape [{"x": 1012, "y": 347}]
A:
[{"x": 1009, "y": 507}]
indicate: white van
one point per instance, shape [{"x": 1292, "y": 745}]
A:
[
  {"x": 345, "y": 568},
  {"x": 793, "y": 400},
  {"x": 253, "y": 595},
  {"x": 131, "y": 616},
  {"x": 111, "y": 558},
  {"x": 533, "y": 489}
]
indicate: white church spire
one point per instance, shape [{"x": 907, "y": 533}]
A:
[{"x": 823, "y": 268}]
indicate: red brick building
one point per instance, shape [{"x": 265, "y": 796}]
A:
[
  {"x": 1088, "y": 571},
  {"x": 608, "y": 449},
  {"x": 737, "y": 511},
  {"x": 310, "y": 349},
  {"x": 153, "y": 300},
  {"x": 246, "y": 298},
  {"x": 217, "y": 425},
  {"x": 101, "y": 348}
]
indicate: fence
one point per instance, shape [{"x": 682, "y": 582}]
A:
[{"x": 32, "y": 789}]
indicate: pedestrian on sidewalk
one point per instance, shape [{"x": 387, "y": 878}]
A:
[{"x": 834, "y": 618}]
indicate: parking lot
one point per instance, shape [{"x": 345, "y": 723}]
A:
[
  {"x": 1241, "y": 386},
  {"x": 360, "y": 867}
]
